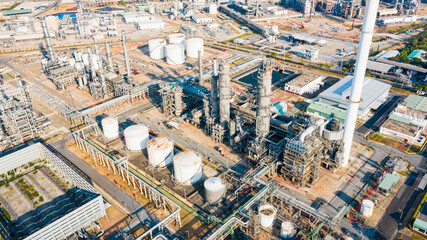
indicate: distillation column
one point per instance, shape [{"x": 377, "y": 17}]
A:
[
  {"x": 215, "y": 90},
  {"x": 101, "y": 68},
  {"x": 109, "y": 57},
  {"x": 92, "y": 66},
  {"x": 200, "y": 68},
  {"x": 127, "y": 63},
  {"x": 52, "y": 56},
  {"x": 359, "y": 77},
  {"x": 263, "y": 100},
  {"x": 224, "y": 95}
]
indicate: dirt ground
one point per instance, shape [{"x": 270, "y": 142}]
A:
[{"x": 319, "y": 26}]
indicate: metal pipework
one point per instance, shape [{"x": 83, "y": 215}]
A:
[
  {"x": 92, "y": 67},
  {"x": 224, "y": 94},
  {"x": 200, "y": 68},
  {"x": 52, "y": 55},
  {"x": 263, "y": 101},
  {"x": 101, "y": 68},
  {"x": 359, "y": 77},
  {"x": 215, "y": 90},
  {"x": 127, "y": 63},
  {"x": 109, "y": 57}
]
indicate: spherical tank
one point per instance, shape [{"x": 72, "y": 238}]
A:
[
  {"x": 213, "y": 9},
  {"x": 174, "y": 54},
  {"x": 187, "y": 167},
  {"x": 214, "y": 190},
  {"x": 136, "y": 137},
  {"x": 156, "y": 48},
  {"x": 286, "y": 230},
  {"x": 176, "y": 38},
  {"x": 193, "y": 45},
  {"x": 267, "y": 214},
  {"x": 160, "y": 152},
  {"x": 367, "y": 208},
  {"x": 110, "y": 127}
]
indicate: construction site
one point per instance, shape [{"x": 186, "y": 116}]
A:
[{"x": 172, "y": 134}]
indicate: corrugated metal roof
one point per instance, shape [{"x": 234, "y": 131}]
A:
[
  {"x": 372, "y": 90},
  {"x": 14, "y": 12},
  {"x": 416, "y": 53},
  {"x": 416, "y": 102},
  {"x": 326, "y": 111},
  {"x": 388, "y": 181},
  {"x": 423, "y": 183},
  {"x": 420, "y": 224},
  {"x": 379, "y": 67}
]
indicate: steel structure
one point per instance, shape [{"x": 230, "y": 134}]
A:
[
  {"x": 172, "y": 104},
  {"x": 127, "y": 60}
]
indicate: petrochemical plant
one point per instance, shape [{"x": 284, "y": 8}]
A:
[{"x": 206, "y": 120}]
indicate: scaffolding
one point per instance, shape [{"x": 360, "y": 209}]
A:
[{"x": 172, "y": 104}]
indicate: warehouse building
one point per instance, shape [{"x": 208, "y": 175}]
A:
[
  {"x": 374, "y": 94},
  {"x": 420, "y": 223},
  {"x": 323, "y": 110},
  {"x": 305, "y": 83}
]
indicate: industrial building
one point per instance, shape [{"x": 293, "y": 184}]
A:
[
  {"x": 70, "y": 207},
  {"x": 420, "y": 223},
  {"x": 374, "y": 94},
  {"x": 305, "y": 83}
]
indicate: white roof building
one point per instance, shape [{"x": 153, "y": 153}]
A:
[
  {"x": 374, "y": 93},
  {"x": 202, "y": 19}
]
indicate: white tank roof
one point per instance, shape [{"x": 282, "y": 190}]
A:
[
  {"x": 187, "y": 159},
  {"x": 214, "y": 183},
  {"x": 110, "y": 127}
]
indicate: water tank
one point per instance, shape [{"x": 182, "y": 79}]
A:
[
  {"x": 110, "y": 127},
  {"x": 136, "y": 137},
  {"x": 151, "y": 9},
  {"x": 267, "y": 214},
  {"x": 286, "y": 230},
  {"x": 334, "y": 130},
  {"x": 174, "y": 54},
  {"x": 213, "y": 9},
  {"x": 160, "y": 152},
  {"x": 176, "y": 38},
  {"x": 214, "y": 190},
  {"x": 193, "y": 45},
  {"x": 156, "y": 48},
  {"x": 367, "y": 208},
  {"x": 187, "y": 167}
]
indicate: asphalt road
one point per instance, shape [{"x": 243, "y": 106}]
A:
[{"x": 396, "y": 213}]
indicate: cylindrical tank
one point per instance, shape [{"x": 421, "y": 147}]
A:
[
  {"x": 267, "y": 214},
  {"x": 160, "y": 152},
  {"x": 187, "y": 167},
  {"x": 174, "y": 54},
  {"x": 151, "y": 9},
  {"x": 193, "y": 45},
  {"x": 213, "y": 9},
  {"x": 367, "y": 208},
  {"x": 286, "y": 230},
  {"x": 156, "y": 48},
  {"x": 214, "y": 190},
  {"x": 110, "y": 127},
  {"x": 176, "y": 38},
  {"x": 136, "y": 137}
]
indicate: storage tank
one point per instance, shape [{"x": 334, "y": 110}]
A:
[
  {"x": 176, "y": 38},
  {"x": 174, "y": 54},
  {"x": 214, "y": 190},
  {"x": 213, "y": 9},
  {"x": 156, "y": 48},
  {"x": 267, "y": 214},
  {"x": 193, "y": 45},
  {"x": 367, "y": 208},
  {"x": 136, "y": 137},
  {"x": 187, "y": 167},
  {"x": 151, "y": 9},
  {"x": 286, "y": 230},
  {"x": 110, "y": 127},
  {"x": 160, "y": 152}
]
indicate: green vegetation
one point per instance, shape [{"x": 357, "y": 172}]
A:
[
  {"x": 377, "y": 137},
  {"x": 401, "y": 29},
  {"x": 6, "y": 214},
  {"x": 41, "y": 199},
  {"x": 28, "y": 189},
  {"x": 11, "y": 6},
  {"x": 405, "y": 173},
  {"x": 417, "y": 42},
  {"x": 417, "y": 211}
]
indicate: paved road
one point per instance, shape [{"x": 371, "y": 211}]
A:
[{"x": 399, "y": 209}]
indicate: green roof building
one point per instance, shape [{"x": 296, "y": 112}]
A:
[
  {"x": 416, "y": 102},
  {"x": 326, "y": 110},
  {"x": 6, "y": 13},
  {"x": 416, "y": 54},
  {"x": 420, "y": 223}
]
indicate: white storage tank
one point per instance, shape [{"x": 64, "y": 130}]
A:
[
  {"x": 174, "y": 54},
  {"x": 286, "y": 230},
  {"x": 136, "y": 137},
  {"x": 110, "y": 127},
  {"x": 187, "y": 167},
  {"x": 193, "y": 45},
  {"x": 151, "y": 9},
  {"x": 213, "y": 9},
  {"x": 156, "y": 48},
  {"x": 267, "y": 214},
  {"x": 160, "y": 152},
  {"x": 214, "y": 190},
  {"x": 367, "y": 208},
  {"x": 176, "y": 38}
]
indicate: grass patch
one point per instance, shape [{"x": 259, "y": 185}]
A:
[
  {"x": 11, "y": 6},
  {"x": 384, "y": 140},
  {"x": 400, "y": 90},
  {"x": 6, "y": 214},
  {"x": 417, "y": 211},
  {"x": 28, "y": 189},
  {"x": 405, "y": 173}
]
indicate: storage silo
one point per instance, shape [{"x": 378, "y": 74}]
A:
[
  {"x": 156, "y": 48},
  {"x": 136, "y": 137},
  {"x": 160, "y": 152},
  {"x": 286, "y": 230},
  {"x": 192, "y": 46},
  {"x": 214, "y": 190},
  {"x": 267, "y": 214},
  {"x": 187, "y": 167},
  {"x": 176, "y": 38},
  {"x": 110, "y": 127},
  {"x": 174, "y": 54},
  {"x": 367, "y": 208}
]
